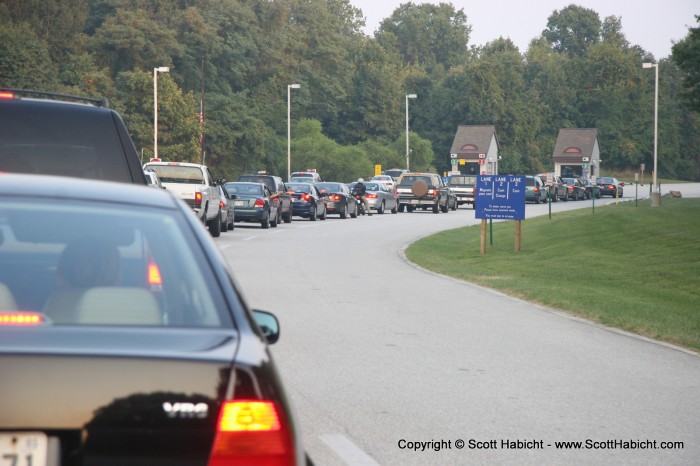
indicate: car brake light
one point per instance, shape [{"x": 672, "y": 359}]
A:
[
  {"x": 221, "y": 204},
  {"x": 305, "y": 197},
  {"x": 335, "y": 197},
  {"x": 20, "y": 318},
  {"x": 435, "y": 193},
  {"x": 371, "y": 196},
  {"x": 7, "y": 95},
  {"x": 154, "y": 277},
  {"x": 259, "y": 203},
  {"x": 198, "y": 199},
  {"x": 251, "y": 432}
]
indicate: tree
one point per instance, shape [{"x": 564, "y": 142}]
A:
[
  {"x": 573, "y": 29},
  {"x": 24, "y": 59},
  {"x": 686, "y": 54},
  {"x": 426, "y": 34}
]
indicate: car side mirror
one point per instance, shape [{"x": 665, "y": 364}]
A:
[{"x": 269, "y": 325}]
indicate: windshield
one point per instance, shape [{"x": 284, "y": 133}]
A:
[{"x": 244, "y": 189}]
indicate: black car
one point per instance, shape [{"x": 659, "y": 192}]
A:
[
  {"x": 340, "y": 201},
  {"x": 590, "y": 188},
  {"x": 55, "y": 134},
  {"x": 124, "y": 338},
  {"x": 308, "y": 201},
  {"x": 575, "y": 191},
  {"x": 610, "y": 186},
  {"x": 254, "y": 203},
  {"x": 278, "y": 191}
]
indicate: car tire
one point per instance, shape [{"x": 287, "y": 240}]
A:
[
  {"x": 344, "y": 212},
  {"x": 288, "y": 216},
  {"x": 215, "y": 225},
  {"x": 436, "y": 207},
  {"x": 312, "y": 214},
  {"x": 265, "y": 221},
  {"x": 276, "y": 221},
  {"x": 325, "y": 214},
  {"x": 394, "y": 210},
  {"x": 409, "y": 208},
  {"x": 380, "y": 210},
  {"x": 353, "y": 214}
]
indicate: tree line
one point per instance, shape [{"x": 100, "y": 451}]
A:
[{"x": 231, "y": 61}]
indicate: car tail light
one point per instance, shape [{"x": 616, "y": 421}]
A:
[
  {"x": 371, "y": 196},
  {"x": 305, "y": 197},
  {"x": 537, "y": 190},
  {"x": 154, "y": 277},
  {"x": 252, "y": 432},
  {"x": 198, "y": 199},
  {"x": 20, "y": 318},
  {"x": 7, "y": 95},
  {"x": 435, "y": 193},
  {"x": 259, "y": 203},
  {"x": 221, "y": 204},
  {"x": 335, "y": 197}
]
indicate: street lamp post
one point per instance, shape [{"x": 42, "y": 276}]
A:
[
  {"x": 656, "y": 195},
  {"x": 408, "y": 96},
  {"x": 162, "y": 69},
  {"x": 289, "y": 127}
]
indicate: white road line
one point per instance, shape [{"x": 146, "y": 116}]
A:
[
  {"x": 248, "y": 238},
  {"x": 347, "y": 451}
]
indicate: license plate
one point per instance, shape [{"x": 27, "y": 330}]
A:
[
  {"x": 331, "y": 205},
  {"x": 414, "y": 201},
  {"x": 23, "y": 448},
  {"x": 239, "y": 203}
]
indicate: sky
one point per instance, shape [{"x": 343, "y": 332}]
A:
[{"x": 652, "y": 25}]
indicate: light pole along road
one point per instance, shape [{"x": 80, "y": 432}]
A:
[{"x": 381, "y": 358}]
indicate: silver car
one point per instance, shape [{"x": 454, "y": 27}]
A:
[{"x": 381, "y": 197}]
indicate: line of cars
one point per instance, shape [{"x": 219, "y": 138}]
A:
[
  {"x": 543, "y": 186},
  {"x": 124, "y": 306}
]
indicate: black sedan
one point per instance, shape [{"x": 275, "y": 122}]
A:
[
  {"x": 574, "y": 189},
  {"x": 307, "y": 201},
  {"x": 339, "y": 199},
  {"x": 254, "y": 203},
  {"x": 610, "y": 186},
  {"x": 124, "y": 339}
]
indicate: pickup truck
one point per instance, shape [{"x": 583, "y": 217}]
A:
[
  {"x": 195, "y": 185},
  {"x": 464, "y": 187},
  {"x": 424, "y": 190}
]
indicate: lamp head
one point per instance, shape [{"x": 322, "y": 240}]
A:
[
  {"x": 411, "y": 96},
  {"x": 648, "y": 65},
  {"x": 295, "y": 86},
  {"x": 163, "y": 69}
]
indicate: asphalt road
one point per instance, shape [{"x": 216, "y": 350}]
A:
[{"x": 389, "y": 364}]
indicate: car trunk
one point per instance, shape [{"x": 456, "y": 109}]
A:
[{"x": 114, "y": 396}]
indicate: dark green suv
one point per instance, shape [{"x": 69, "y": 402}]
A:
[{"x": 56, "y": 134}]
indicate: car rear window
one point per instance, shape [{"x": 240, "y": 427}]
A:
[
  {"x": 61, "y": 139},
  {"x": 105, "y": 264},
  {"x": 178, "y": 174},
  {"x": 299, "y": 188}
]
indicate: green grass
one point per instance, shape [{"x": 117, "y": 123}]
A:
[{"x": 632, "y": 267}]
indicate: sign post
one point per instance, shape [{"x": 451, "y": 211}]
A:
[{"x": 501, "y": 198}]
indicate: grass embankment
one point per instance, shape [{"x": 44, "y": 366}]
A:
[{"x": 632, "y": 267}]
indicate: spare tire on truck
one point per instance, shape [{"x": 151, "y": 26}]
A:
[{"x": 419, "y": 188}]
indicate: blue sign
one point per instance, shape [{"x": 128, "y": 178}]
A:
[{"x": 500, "y": 197}]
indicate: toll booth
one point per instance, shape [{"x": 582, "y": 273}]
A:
[
  {"x": 577, "y": 153},
  {"x": 474, "y": 150}
]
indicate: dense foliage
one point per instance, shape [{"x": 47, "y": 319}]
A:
[{"x": 349, "y": 113}]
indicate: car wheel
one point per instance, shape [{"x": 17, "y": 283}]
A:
[
  {"x": 344, "y": 212},
  {"x": 394, "y": 209},
  {"x": 353, "y": 214},
  {"x": 224, "y": 225},
  {"x": 380, "y": 210},
  {"x": 312, "y": 214},
  {"x": 454, "y": 204},
  {"x": 436, "y": 207},
  {"x": 323, "y": 216},
  {"x": 409, "y": 208},
  {"x": 276, "y": 221},
  {"x": 621, "y": 193},
  {"x": 537, "y": 200},
  {"x": 215, "y": 226},
  {"x": 401, "y": 207},
  {"x": 288, "y": 216},
  {"x": 230, "y": 222},
  {"x": 265, "y": 221}
]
